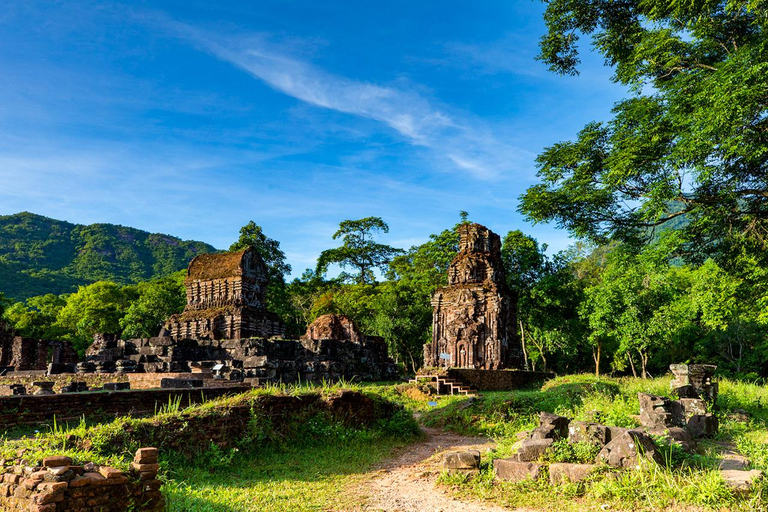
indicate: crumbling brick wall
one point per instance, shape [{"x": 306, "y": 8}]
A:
[{"x": 58, "y": 485}]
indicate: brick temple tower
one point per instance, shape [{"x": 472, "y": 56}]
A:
[
  {"x": 473, "y": 317},
  {"x": 226, "y": 299}
]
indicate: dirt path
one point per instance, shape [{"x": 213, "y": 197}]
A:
[{"x": 406, "y": 483}]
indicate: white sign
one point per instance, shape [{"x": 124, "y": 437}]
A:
[{"x": 445, "y": 356}]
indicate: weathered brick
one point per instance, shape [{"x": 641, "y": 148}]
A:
[
  {"x": 146, "y": 456},
  {"x": 58, "y": 460}
]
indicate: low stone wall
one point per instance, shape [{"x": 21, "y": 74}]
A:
[
  {"x": 59, "y": 486},
  {"x": 97, "y": 380},
  {"x": 26, "y": 409},
  {"x": 498, "y": 380}
]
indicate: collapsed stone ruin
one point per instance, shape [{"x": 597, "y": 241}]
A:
[
  {"x": 18, "y": 353},
  {"x": 332, "y": 348},
  {"x": 681, "y": 422},
  {"x": 473, "y": 319}
]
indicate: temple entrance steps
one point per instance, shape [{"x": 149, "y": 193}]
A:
[{"x": 445, "y": 385}]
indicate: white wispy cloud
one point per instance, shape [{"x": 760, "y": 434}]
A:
[{"x": 461, "y": 141}]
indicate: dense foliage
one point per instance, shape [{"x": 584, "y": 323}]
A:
[
  {"x": 690, "y": 141},
  {"x": 39, "y": 255}
]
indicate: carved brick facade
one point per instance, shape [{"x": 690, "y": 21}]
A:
[
  {"x": 226, "y": 299},
  {"x": 473, "y": 317}
]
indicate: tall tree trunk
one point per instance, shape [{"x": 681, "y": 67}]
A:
[
  {"x": 522, "y": 342},
  {"x": 643, "y": 362},
  {"x": 596, "y": 352},
  {"x": 632, "y": 364}
]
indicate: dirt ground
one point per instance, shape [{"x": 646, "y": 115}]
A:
[{"x": 406, "y": 483}]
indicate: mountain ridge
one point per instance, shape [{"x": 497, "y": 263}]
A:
[{"x": 40, "y": 255}]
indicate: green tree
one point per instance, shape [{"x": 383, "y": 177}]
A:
[
  {"x": 636, "y": 304},
  {"x": 278, "y": 296},
  {"x": 691, "y": 141},
  {"x": 546, "y": 294},
  {"x": 156, "y": 301},
  {"x": 403, "y": 317},
  {"x": 36, "y": 318},
  {"x": 96, "y": 308},
  {"x": 4, "y": 303},
  {"x": 252, "y": 235},
  {"x": 358, "y": 250}
]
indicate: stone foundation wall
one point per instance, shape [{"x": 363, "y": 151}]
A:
[
  {"x": 29, "y": 410},
  {"x": 59, "y": 486},
  {"x": 498, "y": 380}
]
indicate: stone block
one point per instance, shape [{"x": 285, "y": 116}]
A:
[
  {"x": 52, "y": 487},
  {"x": 167, "y": 383},
  {"x": 585, "y": 432},
  {"x": 693, "y": 406},
  {"x": 59, "y": 460},
  {"x": 109, "y": 472},
  {"x": 532, "y": 449},
  {"x": 660, "y": 412},
  {"x": 676, "y": 435},
  {"x": 58, "y": 471},
  {"x": 515, "y": 471},
  {"x": 741, "y": 480},
  {"x": 145, "y": 468},
  {"x": 42, "y": 499},
  {"x": 628, "y": 450},
  {"x": 468, "y": 459},
  {"x": 560, "y": 472},
  {"x": 80, "y": 481},
  {"x": 551, "y": 426},
  {"x": 703, "y": 425}
]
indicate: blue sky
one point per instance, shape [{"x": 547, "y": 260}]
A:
[{"x": 193, "y": 117}]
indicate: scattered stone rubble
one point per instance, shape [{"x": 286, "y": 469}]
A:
[
  {"x": 59, "y": 486},
  {"x": 473, "y": 319},
  {"x": 681, "y": 421},
  {"x": 466, "y": 461}
]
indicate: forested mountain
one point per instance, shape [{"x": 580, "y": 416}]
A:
[{"x": 40, "y": 255}]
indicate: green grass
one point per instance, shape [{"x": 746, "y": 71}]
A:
[{"x": 301, "y": 476}]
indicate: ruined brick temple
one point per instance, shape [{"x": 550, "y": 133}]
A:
[
  {"x": 226, "y": 325},
  {"x": 226, "y": 299},
  {"x": 473, "y": 317}
]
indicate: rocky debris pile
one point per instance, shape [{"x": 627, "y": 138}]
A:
[
  {"x": 59, "y": 486},
  {"x": 619, "y": 447}
]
